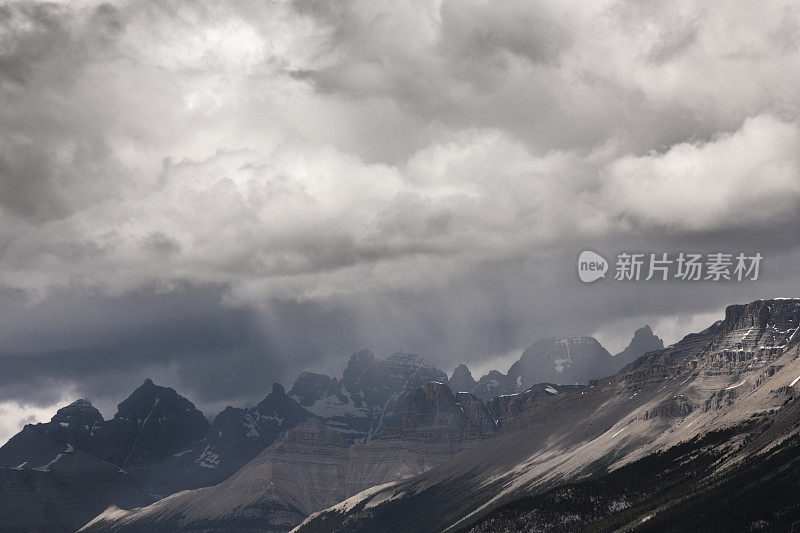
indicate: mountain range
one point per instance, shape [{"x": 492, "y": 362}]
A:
[
  {"x": 702, "y": 435},
  {"x": 566, "y": 360},
  {"x": 158, "y": 443}
]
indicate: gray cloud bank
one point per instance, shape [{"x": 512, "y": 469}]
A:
[{"x": 224, "y": 194}]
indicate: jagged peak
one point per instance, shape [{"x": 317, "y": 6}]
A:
[
  {"x": 148, "y": 395},
  {"x": 80, "y": 408},
  {"x": 493, "y": 374},
  {"x": 461, "y": 369}
]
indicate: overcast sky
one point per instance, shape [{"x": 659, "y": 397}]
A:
[{"x": 220, "y": 195}]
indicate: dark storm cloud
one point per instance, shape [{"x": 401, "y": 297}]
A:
[
  {"x": 221, "y": 195},
  {"x": 100, "y": 347}
]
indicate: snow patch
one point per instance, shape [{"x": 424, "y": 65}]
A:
[
  {"x": 618, "y": 432},
  {"x": 738, "y": 385},
  {"x": 46, "y": 468},
  {"x": 208, "y": 459}
]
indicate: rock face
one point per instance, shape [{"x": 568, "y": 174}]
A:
[
  {"x": 492, "y": 384},
  {"x": 571, "y": 360},
  {"x": 152, "y": 424},
  {"x": 462, "y": 380},
  {"x": 735, "y": 382},
  {"x": 433, "y": 413},
  {"x": 477, "y": 413},
  {"x": 369, "y": 397},
  {"x": 644, "y": 341},
  {"x": 247, "y": 431},
  {"x": 779, "y": 314},
  {"x": 311, "y": 467}
]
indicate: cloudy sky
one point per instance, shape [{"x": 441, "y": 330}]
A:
[{"x": 220, "y": 195}]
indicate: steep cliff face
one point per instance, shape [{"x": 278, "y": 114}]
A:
[
  {"x": 780, "y": 314},
  {"x": 477, "y": 413}
]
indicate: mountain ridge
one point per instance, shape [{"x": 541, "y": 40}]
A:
[{"x": 740, "y": 374}]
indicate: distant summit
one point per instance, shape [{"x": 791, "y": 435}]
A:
[
  {"x": 462, "y": 380},
  {"x": 644, "y": 340},
  {"x": 556, "y": 360}
]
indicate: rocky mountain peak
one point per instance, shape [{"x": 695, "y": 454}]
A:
[
  {"x": 76, "y": 424},
  {"x": 310, "y": 387},
  {"x": 461, "y": 379},
  {"x": 79, "y": 409},
  {"x": 559, "y": 360},
  {"x": 643, "y": 341},
  {"x": 153, "y": 423},
  {"x": 147, "y": 397},
  {"x": 433, "y": 412}
]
